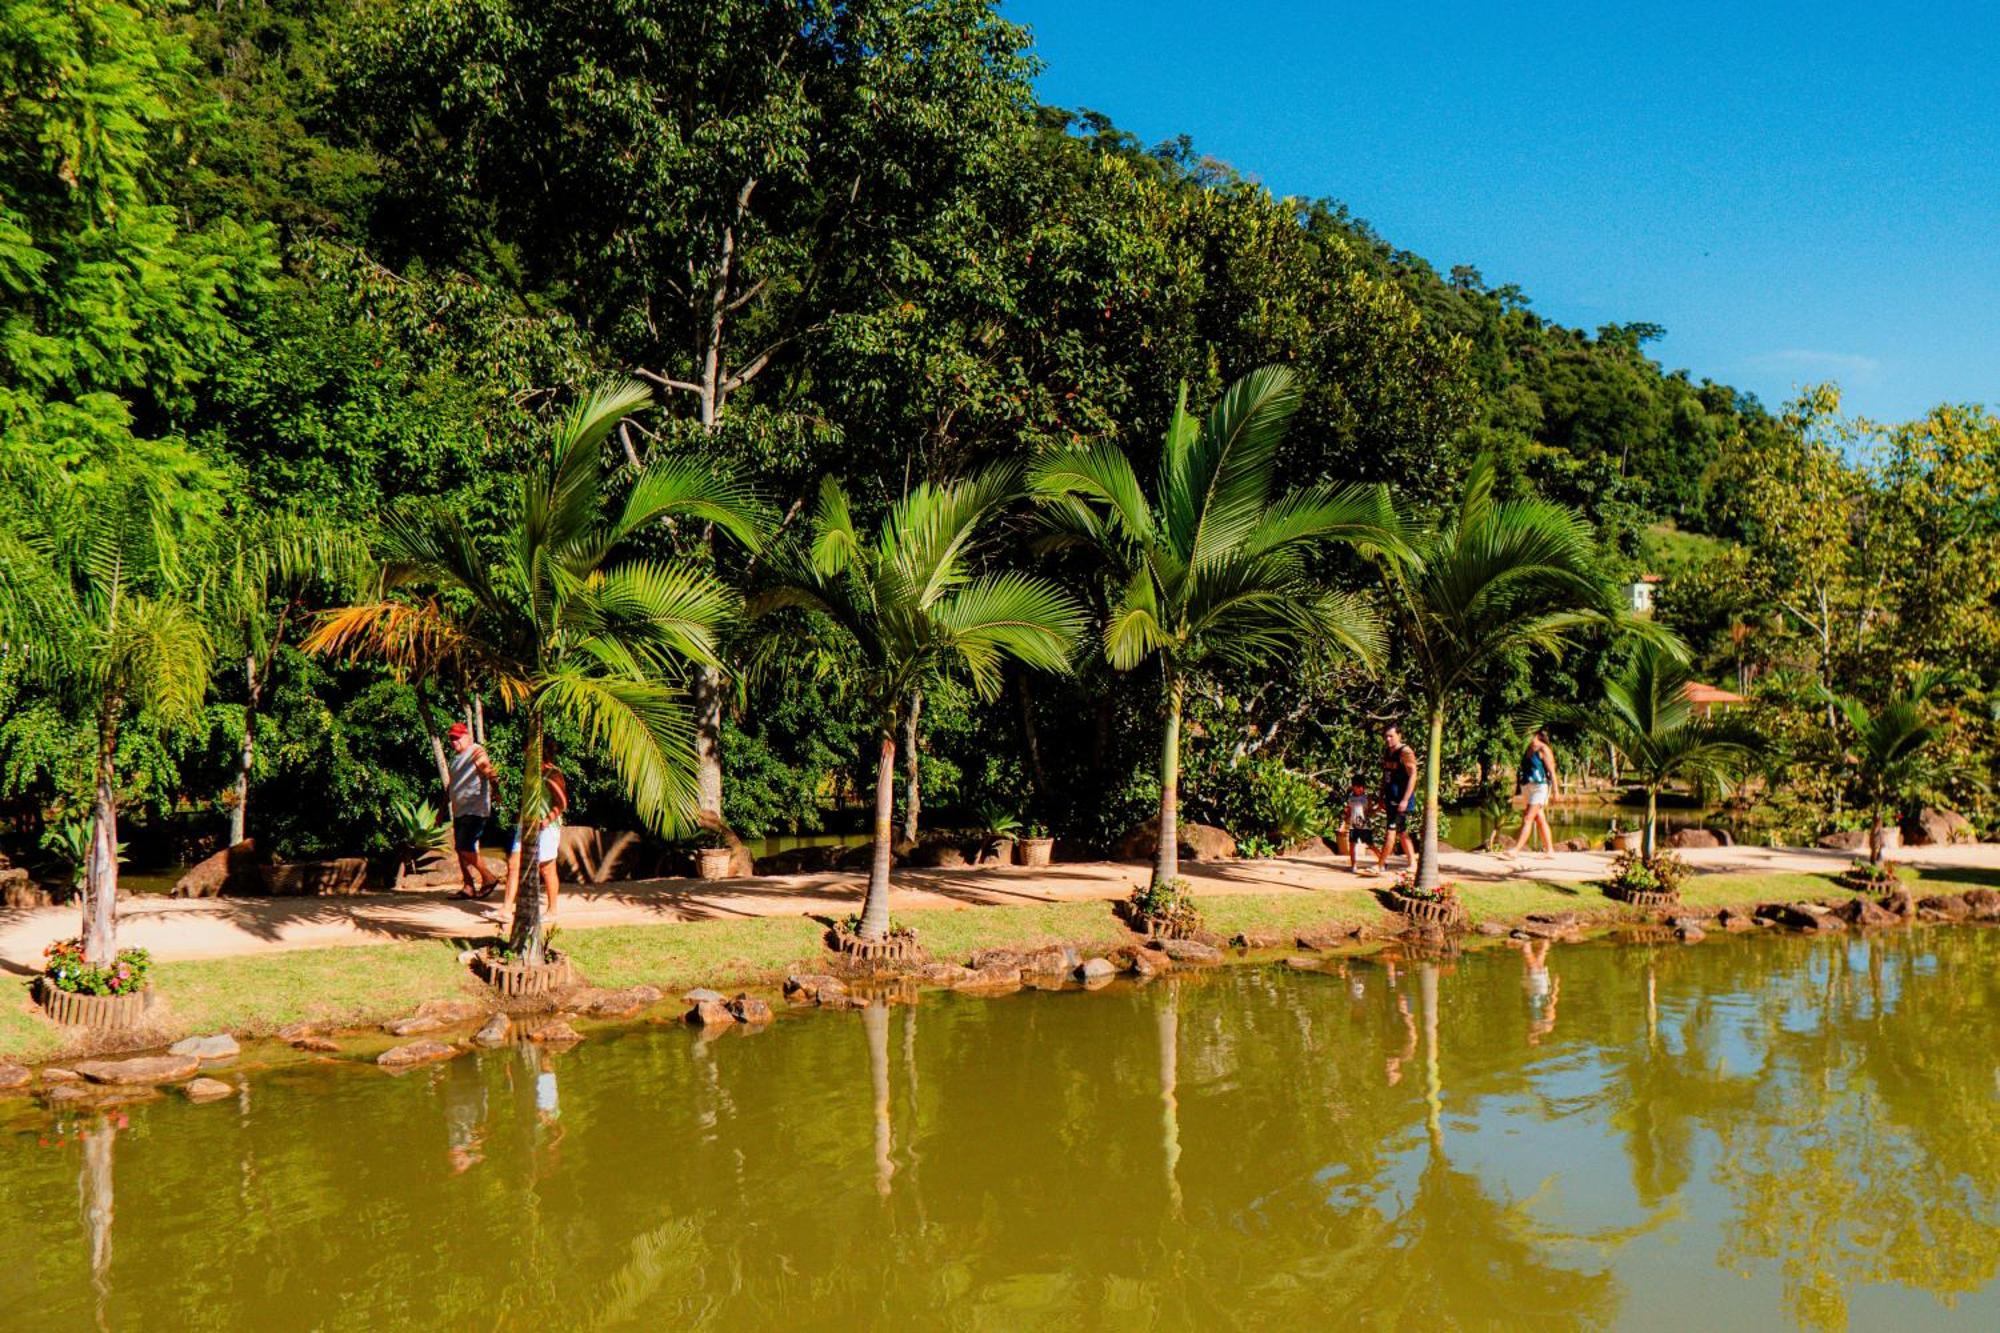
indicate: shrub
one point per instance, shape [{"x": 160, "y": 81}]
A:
[
  {"x": 1634, "y": 873},
  {"x": 1171, "y": 904}
]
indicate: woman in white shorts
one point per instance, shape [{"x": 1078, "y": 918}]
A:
[
  {"x": 1538, "y": 784},
  {"x": 548, "y": 843}
]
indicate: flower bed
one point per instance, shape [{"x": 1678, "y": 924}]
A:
[
  {"x": 1439, "y": 907},
  {"x": 81, "y": 994},
  {"x": 1162, "y": 911},
  {"x": 1646, "y": 882}
]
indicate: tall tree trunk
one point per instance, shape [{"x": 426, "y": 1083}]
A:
[
  {"x": 875, "y": 1022},
  {"x": 912, "y": 795},
  {"x": 1875, "y": 837},
  {"x": 1651, "y": 840},
  {"x": 1427, "y": 860},
  {"x": 239, "y": 810},
  {"x": 1169, "y": 1025},
  {"x": 1031, "y": 739},
  {"x": 100, "y": 892},
  {"x": 1167, "y": 860},
  {"x": 875, "y": 908},
  {"x": 529, "y": 939},
  {"x": 706, "y": 698},
  {"x": 429, "y": 721}
]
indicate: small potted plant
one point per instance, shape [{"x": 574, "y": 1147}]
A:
[
  {"x": 1645, "y": 881},
  {"x": 1866, "y": 876},
  {"x": 712, "y": 854},
  {"x": 80, "y": 994},
  {"x": 1036, "y": 847},
  {"x": 1002, "y": 831},
  {"x": 1163, "y": 911}
]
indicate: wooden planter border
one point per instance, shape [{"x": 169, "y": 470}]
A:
[
  {"x": 102, "y": 1013},
  {"x": 1643, "y": 898},
  {"x": 889, "y": 949},
  {"x": 521, "y": 981},
  {"x": 1155, "y": 926},
  {"x": 1443, "y": 912}
]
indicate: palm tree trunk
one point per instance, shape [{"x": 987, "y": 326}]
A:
[
  {"x": 239, "y": 809},
  {"x": 1651, "y": 840},
  {"x": 1167, "y": 860},
  {"x": 706, "y": 696},
  {"x": 1427, "y": 860},
  {"x": 425, "y": 716},
  {"x": 1875, "y": 837},
  {"x": 912, "y": 796},
  {"x": 529, "y": 939},
  {"x": 875, "y": 908},
  {"x": 100, "y": 892}
]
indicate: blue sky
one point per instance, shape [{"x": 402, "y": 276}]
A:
[{"x": 1797, "y": 192}]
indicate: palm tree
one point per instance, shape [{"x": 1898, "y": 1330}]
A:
[
  {"x": 914, "y": 609},
  {"x": 560, "y": 628},
  {"x": 97, "y": 602},
  {"x": 1211, "y": 570},
  {"x": 1646, "y": 717},
  {"x": 1895, "y": 755},
  {"x": 1490, "y": 578}
]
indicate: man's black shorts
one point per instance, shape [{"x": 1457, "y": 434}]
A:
[
  {"x": 1399, "y": 817},
  {"x": 466, "y": 831}
]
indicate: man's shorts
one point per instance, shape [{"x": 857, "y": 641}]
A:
[
  {"x": 466, "y": 831},
  {"x": 1399, "y": 817}
]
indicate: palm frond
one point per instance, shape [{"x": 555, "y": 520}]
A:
[{"x": 642, "y": 729}]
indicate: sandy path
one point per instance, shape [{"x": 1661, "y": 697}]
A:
[{"x": 220, "y": 927}]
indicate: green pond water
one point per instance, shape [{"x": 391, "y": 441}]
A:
[{"x": 1746, "y": 1133}]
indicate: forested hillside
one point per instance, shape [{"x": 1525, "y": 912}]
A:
[{"x": 318, "y": 261}]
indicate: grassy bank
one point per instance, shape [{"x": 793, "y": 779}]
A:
[{"x": 359, "y": 985}]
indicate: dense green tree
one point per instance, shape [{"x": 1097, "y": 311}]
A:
[{"x": 1896, "y": 759}]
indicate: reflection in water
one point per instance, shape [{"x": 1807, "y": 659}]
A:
[
  {"x": 1813, "y": 1114},
  {"x": 99, "y": 1207}
]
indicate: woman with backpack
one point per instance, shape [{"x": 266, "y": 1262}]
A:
[{"x": 1537, "y": 781}]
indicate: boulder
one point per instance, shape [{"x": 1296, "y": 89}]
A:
[
  {"x": 995, "y": 978},
  {"x": 709, "y": 1014},
  {"x": 1690, "y": 934},
  {"x": 939, "y": 855},
  {"x": 1937, "y": 828},
  {"x": 1983, "y": 904},
  {"x": 410, "y": 1055},
  {"x": 1254, "y": 940},
  {"x": 1314, "y": 849},
  {"x": 701, "y": 993},
  {"x": 1143, "y": 962},
  {"x": 1198, "y": 842},
  {"x": 942, "y": 974},
  {"x": 1866, "y": 912},
  {"x": 1054, "y": 961},
  {"x": 750, "y": 1009},
  {"x": 1531, "y": 929},
  {"x": 19, "y": 890},
  {"x": 207, "y": 1090},
  {"x": 557, "y": 1033},
  {"x": 1490, "y": 929},
  {"x": 986, "y": 958},
  {"x": 1947, "y": 906},
  {"x": 293, "y": 1031},
  {"x": 415, "y": 1026},
  {"x": 1684, "y": 839},
  {"x": 616, "y": 1003},
  {"x": 231, "y": 870},
  {"x": 811, "y": 989},
  {"x": 207, "y": 1050},
  {"x": 1189, "y": 951},
  {"x": 309, "y": 1042},
  {"x": 55, "y": 1074},
  {"x": 1732, "y": 918},
  {"x": 14, "y": 1078},
  {"x": 1567, "y": 920},
  {"x": 1095, "y": 969},
  {"x": 142, "y": 1070},
  {"x": 495, "y": 1032},
  {"x": 1577, "y": 845},
  {"x": 94, "y": 1095}
]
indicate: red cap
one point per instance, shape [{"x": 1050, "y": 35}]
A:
[{"x": 459, "y": 729}]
